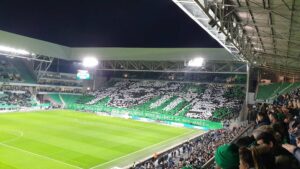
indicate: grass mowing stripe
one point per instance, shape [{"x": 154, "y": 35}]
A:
[
  {"x": 105, "y": 125},
  {"x": 51, "y": 130},
  {"x": 80, "y": 139},
  {"x": 45, "y": 157},
  {"x": 110, "y": 128},
  {"x": 17, "y": 135},
  {"x": 137, "y": 133},
  {"x": 95, "y": 167},
  {"x": 76, "y": 145},
  {"x": 2, "y": 165},
  {"x": 112, "y": 122}
]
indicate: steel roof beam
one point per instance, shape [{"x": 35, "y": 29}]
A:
[
  {"x": 286, "y": 5},
  {"x": 277, "y": 55},
  {"x": 272, "y": 29},
  {"x": 254, "y": 22},
  {"x": 277, "y": 38},
  {"x": 283, "y": 50},
  {"x": 291, "y": 26}
]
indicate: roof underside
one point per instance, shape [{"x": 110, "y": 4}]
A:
[
  {"x": 264, "y": 32},
  {"x": 153, "y": 54},
  {"x": 44, "y": 48},
  {"x": 273, "y": 27}
]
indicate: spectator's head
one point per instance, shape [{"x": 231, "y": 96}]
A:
[
  {"x": 245, "y": 141},
  {"x": 262, "y": 129},
  {"x": 279, "y": 131},
  {"x": 273, "y": 117},
  {"x": 263, "y": 157},
  {"x": 259, "y": 157},
  {"x": 246, "y": 159},
  {"x": 261, "y": 116},
  {"x": 288, "y": 118},
  {"x": 227, "y": 156},
  {"x": 266, "y": 139}
]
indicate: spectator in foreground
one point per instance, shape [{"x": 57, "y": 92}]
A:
[
  {"x": 227, "y": 157},
  {"x": 295, "y": 150},
  {"x": 283, "y": 158},
  {"x": 259, "y": 157}
]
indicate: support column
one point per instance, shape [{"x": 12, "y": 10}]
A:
[
  {"x": 244, "y": 110},
  {"x": 247, "y": 85}
]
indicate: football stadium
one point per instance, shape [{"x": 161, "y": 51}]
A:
[{"x": 174, "y": 84}]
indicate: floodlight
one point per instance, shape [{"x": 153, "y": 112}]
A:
[
  {"x": 90, "y": 62},
  {"x": 197, "y": 62},
  {"x": 14, "y": 50}
]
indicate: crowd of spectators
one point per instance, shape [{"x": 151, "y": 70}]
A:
[
  {"x": 58, "y": 89},
  {"x": 59, "y": 82},
  {"x": 8, "y": 73},
  {"x": 14, "y": 88},
  {"x": 40, "y": 89},
  {"x": 58, "y": 79},
  {"x": 194, "y": 153},
  {"x": 212, "y": 99},
  {"x": 16, "y": 99},
  {"x": 275, "y": 141},
  {"x": 130, "y": 93},
  {"x": 18, "y": 96}
]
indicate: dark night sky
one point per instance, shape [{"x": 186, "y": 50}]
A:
[{"x": 104, "y": 23}]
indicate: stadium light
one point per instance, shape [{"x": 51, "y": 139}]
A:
[
  {"x": 197, "y": 62},
  {"x": 14, "y": 50},
  {"x": 90, "y": 62}
]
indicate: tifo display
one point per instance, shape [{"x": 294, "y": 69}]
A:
[{"x": 198, "y": 104}]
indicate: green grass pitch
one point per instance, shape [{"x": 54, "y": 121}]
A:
[{"x": 63, "y": 139}]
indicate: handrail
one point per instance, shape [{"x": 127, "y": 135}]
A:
[{"x": 208, "y": 164}]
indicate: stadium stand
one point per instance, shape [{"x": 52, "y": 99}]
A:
[
  {"x": 15, "y": 71},
  {"x": 272, "y": 142},
  {"x": 55, "y": 98},
  {"x": 57, "y": 89},
  {"x": 16, "y": 100},
  {"x": 166, "y": 101},
  {"x": 174, "y": 98},
  {"x": 276, "y": 124},
  {"x": 24, "y": 71},
  {"x": 59, "y": 79},
  {"x": 193, "y": 153},
  {"x": 9, "y": 73},
  {"x": 271, "y": 91},
  {"x": 70, "y": 99}
]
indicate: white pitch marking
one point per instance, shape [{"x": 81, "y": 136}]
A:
[
  {"x": 19, "y": 135},
  {"x": 173, "y": 138},
  {"x": 45, "y": 157}
]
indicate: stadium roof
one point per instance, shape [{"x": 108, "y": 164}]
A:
[
  {"x": 110, "y": 53},
  {"x": 264, "y": 32}
]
